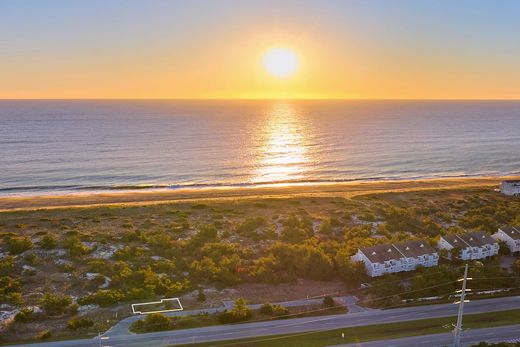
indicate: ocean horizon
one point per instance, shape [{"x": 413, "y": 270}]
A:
[{"x": 66, "y": 146}]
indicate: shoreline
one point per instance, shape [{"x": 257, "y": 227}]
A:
[{"x": 341, "y": 189}]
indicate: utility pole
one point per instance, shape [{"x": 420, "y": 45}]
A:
[{"x": 458, "y": 328}]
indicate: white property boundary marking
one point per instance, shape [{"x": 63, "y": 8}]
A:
[{"x": 157, "y": 302}]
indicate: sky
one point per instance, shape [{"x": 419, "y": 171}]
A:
[{"x": 370, "y": 49}]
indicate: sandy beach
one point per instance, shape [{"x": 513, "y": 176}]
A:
[{"x": 347, "y": 189}]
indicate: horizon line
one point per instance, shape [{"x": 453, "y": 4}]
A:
[{"x": 259, "y": 99}]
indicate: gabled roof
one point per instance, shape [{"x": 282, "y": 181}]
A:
[
  {"x": 513, "y": 232},
  {"x": 455, "y": 241},
  {"x": 414, "y": 248},
  {"x": 473, "y": 239},
  {"x": 381, "y": 253},
  {"x": 477, "y": 239}
]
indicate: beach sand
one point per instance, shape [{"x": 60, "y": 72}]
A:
[{"x": 347, "y": 189}]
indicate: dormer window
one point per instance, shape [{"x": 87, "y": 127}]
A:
[
  {"x": 407, "y": 248},
  {"x": 374, "y": 253},
  {"x": 422, "y": 246},
  {"x": 389, "y": 250}
]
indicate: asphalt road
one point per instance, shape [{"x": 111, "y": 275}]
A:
[
  {"x": 122, "y": 326},
  {"x": 287, "y": 326},
  {"x": 470, "y": 337}
]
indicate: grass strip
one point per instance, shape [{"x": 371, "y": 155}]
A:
[{"x": 372, "y": 332}]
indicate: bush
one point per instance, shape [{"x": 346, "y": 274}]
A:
[
  {"x": 153, "y": 322},
  {"x": 55, "y": 304},
  {"x": 75, "y": 247},
  {"x": 78, "y": 323},
  {"x": 7, "y": 266},
  {"x": 45, "y": 334},
  {"x": 201, "y": 297},
  {"x": 48, "y": 241},
  {"x": 266, "y": 309},
  {"x": 103, "y": 297},
  {"x": 18, "y": 244},
  {"x": 328, "y": 301},
  {"x": 279, "y": 310},
  {"x": 239, "y": 313},
  {"x": 24, "y": 316}
]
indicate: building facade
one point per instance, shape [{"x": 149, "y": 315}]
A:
[
  {"x": 511, "y": 236},
  {"x": 399, "y": 257},
  {"x": 511, "y": 187},
  {"x": 470, "y": 246}
]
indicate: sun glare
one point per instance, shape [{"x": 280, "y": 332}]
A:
[{"x": 280, "y": 62}]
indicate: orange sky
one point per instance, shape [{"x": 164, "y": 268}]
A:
[{"x": 150, "y": 49}]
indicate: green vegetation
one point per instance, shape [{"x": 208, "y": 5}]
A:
[
  {"x": 54, "y": 305},
  {"x": 500, "y": 344},
  {"x": 24, "y": 316},
  {"x": 372, "y": 332},
  {"x": 112, "y": 256},
  {"x": 238, "y": 313},
  {"x": 18, "y": 244},
  {"x": 79, "y": 323}
]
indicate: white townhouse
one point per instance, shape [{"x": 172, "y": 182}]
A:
[
  {"x": 511, "y": 236},
  {"x": 510, "y": 187},
  {"x": 472, "y": 245},
  {"x": 399, "y": 257}
]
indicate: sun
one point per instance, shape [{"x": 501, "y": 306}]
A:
[{"x": 281, "y": 62}]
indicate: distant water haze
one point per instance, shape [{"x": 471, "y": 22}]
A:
[{"x": 60, "y": 146}]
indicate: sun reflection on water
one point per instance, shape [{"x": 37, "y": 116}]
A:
[{"x": 283, "y": 154}]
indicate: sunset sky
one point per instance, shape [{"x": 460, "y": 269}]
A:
[{"x": 400, "y": 49}]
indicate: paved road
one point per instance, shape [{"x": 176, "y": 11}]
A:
[
  {"x": 470, "y": 337},
  {"x": 296, "y": 325},
  {"x": 121, "y": 328}
]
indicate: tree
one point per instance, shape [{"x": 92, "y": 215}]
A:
[
  {"x": 296, "y": 229},
  {"x": 239, "y": 313},
  {"x": 516, "y": 267},
  {"x": 351, "y": 272}
]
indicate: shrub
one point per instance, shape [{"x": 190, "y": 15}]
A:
[
  {"x": 328, "y": 301},
  {"x": 201, "y": 297},
  {"x": 45, "y": 334},
  {"x": 239, "y": 313},
  {"x": 153, "y": 322},
  {"x": 55, "y": 304},
  {"x": 266, "y": 309},
  {"x": 48, "y": 241},
  {"x": 75, "y": 247},
  {"x": 7, "y": 266},
  {"x": 78, "y": 323},
  {"x": 103, "y": 297},
  {"x": 24, "y": 316},
  {"x": 279, "y": 310},
  {"x": 18, "y": 244}
]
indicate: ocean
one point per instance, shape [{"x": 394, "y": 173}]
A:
[{"x": 64, "y": 146}]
